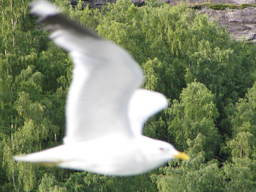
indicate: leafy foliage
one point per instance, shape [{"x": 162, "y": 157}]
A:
[
  {"x": 193, "y": 118},
  {"x": 190, "y": 59}
]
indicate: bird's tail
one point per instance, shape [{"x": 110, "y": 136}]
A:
[
  {"x": 48, "y": 163},
  {"x": 46, "y": 157}
]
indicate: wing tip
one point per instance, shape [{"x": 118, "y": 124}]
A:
[
  {"x": 165, "y": 102},
  {"x": 43, "y": 8}
]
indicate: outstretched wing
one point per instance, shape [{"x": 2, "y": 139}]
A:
[
  {"x": 144, "y": 104},
  {"x": 104, "y": 78}
]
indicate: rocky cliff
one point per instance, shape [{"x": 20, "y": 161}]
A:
[
  {"x": 237, "y": 16},
  {"x": 241, "y": 23}
]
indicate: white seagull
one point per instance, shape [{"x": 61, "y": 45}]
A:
[{"x": 105, "y": 109}]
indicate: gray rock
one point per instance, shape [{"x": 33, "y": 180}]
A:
[
  {"x": 238, "y": 2},
  {"x": 241, "y": 23}
]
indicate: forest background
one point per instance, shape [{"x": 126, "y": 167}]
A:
[{"x": 208, "y": 78}]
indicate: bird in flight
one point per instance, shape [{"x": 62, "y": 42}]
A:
[{"x": 105, "y": 108}]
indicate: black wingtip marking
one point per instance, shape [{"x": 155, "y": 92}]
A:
[{"x": 59, "y": 21}]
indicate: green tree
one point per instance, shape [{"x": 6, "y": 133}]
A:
[
  {"x": 82, "y": 181},
  {"x": 242, "y": 143},
  {"x": 239, "y": 170},
  {"x": 240, "y": 175},
  {"x": 183, "y": 55},
  {"x": 190, "y": 177},
  {"x": 192, "y": 116},
  {"x": 191, "y": 127},
  {"x": 28, "y": 82}
]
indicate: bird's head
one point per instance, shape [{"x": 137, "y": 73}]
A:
[
  {"x": 168, "y": 151},
  {"x": 163, "y": 151}
]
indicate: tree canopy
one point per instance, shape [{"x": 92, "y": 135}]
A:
[{"x": 208, "y": 78}]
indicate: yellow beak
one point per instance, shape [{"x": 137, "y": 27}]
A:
[{"x": 182, "y": 156}]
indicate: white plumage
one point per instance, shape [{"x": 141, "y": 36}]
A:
[{"x": 105, "y": 109}]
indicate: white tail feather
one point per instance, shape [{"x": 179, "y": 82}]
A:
[{"x": 48, "y": 155}]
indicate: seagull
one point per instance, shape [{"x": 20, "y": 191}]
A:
[{"x": 105, "y": 108}]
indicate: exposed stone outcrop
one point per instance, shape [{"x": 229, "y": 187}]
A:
[
  {"x": 237, "y": 2},
  {"x": 241, "y": 23}
]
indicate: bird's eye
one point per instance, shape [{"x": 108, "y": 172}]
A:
[{"x": 161, "y": 149}]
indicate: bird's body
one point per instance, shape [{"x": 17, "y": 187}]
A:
[
  {"x": 105, "y": 109},
  {"x": 121, "y": 157}
]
